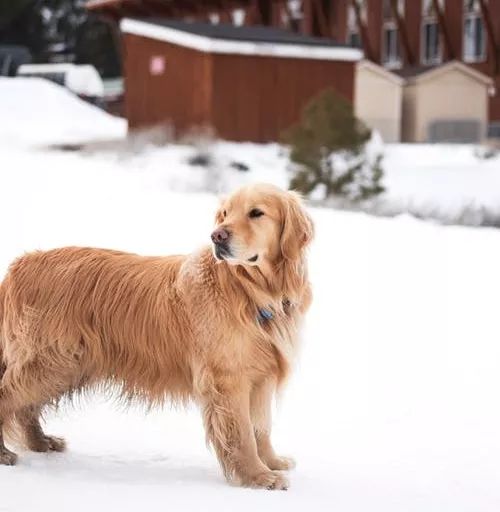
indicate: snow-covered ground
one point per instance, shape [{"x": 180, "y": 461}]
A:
[
  {"x": 449, "y": 183},
  {"x": 394, "y": 405}
]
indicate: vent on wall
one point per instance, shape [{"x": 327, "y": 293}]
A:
[
  {"x": 494, "y": 130},
  {"x": 455, "y": 131}
]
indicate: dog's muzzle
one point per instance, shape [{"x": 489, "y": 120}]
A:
[{"x": 220, "y": 238}]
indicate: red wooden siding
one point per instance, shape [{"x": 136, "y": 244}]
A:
[
  {"x": 257, "y": 98},
  {"x": 180, "y": 95},
  {"x": 245, "y": 98},
  {"x": 329, "y": 18}
]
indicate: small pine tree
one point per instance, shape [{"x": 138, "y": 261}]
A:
[{"x": 329, "y": 150}]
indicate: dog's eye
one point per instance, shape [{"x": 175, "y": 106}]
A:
[
  {"x": 224, "y": 213},
  {"x": 255, "y": 212}
]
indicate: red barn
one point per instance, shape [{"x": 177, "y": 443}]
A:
[{"x": 250, "y": 82}]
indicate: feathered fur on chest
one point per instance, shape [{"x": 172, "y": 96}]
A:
[{"x": 257, "y": 326}]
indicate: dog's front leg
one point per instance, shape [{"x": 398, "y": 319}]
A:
[
  {"x": 261, "y": 399},
  {"x": 226, "y": 411}
]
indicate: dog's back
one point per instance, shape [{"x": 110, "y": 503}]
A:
[{"x": 74, "y": 317}]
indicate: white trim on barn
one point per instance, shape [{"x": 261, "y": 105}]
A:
[{"x": 210, "y": 45}]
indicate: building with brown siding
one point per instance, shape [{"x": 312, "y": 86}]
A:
[
  {"x": 406, "y": 37},
  {"x": 249, "y": 83},
  {"x": 411, "y": 36}
]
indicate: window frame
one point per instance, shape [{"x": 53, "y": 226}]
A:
[
  {"x": 391, "y": 25},
  {"x": 430, "y": 17},
  {"x": 424, "y": 59},
  {"x": 474, "y": 15}
]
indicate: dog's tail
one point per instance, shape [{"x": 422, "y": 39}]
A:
[{"x": 3, "y": 366}]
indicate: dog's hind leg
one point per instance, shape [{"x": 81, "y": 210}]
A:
[
  {"x": 7, "y": 458},
  {"x": 28, "y": 421},
  {"x": 20, "y": 418}
]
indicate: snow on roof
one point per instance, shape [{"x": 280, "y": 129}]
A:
[{"x": 246, "y": 40}]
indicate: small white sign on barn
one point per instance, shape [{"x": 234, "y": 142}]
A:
[{"x": 157, "y": 65}]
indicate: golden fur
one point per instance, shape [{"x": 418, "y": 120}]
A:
[{"x": 165, "y": 328}]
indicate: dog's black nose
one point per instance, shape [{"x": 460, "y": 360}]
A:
[{"x": 220, "y": 236}]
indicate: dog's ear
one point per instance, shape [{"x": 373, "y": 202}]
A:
[
  {"x": 298, "y": 228},
  {"x": 219, "y": 216}
]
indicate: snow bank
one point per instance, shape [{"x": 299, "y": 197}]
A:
[
  {"x": 230, "y": 165},
  {"x": 450, "y": 183},
  {"x": 34, "y": 111}
]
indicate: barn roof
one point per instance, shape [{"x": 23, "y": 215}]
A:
[{"x": 243, "y": 40}]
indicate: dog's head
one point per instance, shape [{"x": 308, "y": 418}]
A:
[{"x": 261, "y": 224}]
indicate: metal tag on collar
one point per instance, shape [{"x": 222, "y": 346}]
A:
[{"x": 265, "y": 315}]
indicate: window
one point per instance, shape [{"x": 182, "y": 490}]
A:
[
  {"x": 474, "y": 32},
  {"x": 392, "y": 57},
  {"x": 354, "y": 39},
  {"x": 353, "y": 32},
  {"x": 431, "y": 52},
  {"x": 391, "y": 46},
  {"x": 494, "y": 130}
]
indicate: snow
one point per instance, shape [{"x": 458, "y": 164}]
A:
[
  {"x": 229, "y": 46},
  {"x": 441, "y": 179},
  {"x": 34, "y": 111},
  {"x": 449, "y": 183},
  {"x": 394, "y": 404},
  {"x": 78, "y": 78}
]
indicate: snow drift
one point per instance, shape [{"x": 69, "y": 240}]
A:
[{"x": 34, "y": 111}]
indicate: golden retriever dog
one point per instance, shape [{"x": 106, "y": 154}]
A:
[{"x": 219, "y": 327}]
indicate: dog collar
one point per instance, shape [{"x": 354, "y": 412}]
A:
[{"x": 265, "y": 315}]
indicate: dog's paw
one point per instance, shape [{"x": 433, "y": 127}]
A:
[
  {"x": 271, "y": 480},
  {"x": 56, "y": 444},
  {"x": 7, "y": 458},
  {"x": 48, "y": 444},
  {"x": 280, "y": 463}
]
